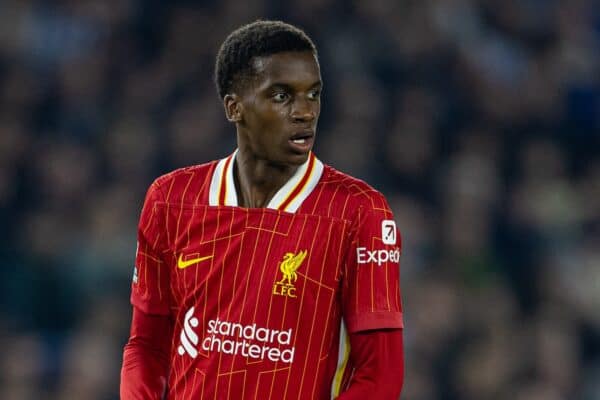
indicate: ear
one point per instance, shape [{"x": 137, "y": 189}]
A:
[{"x": 233, "y": 107}]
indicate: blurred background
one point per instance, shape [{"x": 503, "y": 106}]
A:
[{"x": 478, "y": 119}]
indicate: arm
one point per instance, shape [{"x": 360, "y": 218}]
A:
[
  {"x": 146, "y": 357},
  {"x": 378, "y": 360},
  {"x": 372, "y": 308}
]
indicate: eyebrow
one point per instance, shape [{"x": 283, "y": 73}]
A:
[{"x": 289, "y": 87}]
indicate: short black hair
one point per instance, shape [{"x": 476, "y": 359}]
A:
[{"x": 257, "y": 39}]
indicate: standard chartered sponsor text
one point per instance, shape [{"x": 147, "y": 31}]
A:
[{"x": 249, "y": 341}]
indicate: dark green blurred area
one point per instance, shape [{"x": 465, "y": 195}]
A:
[{"x": 478, "y": 119}]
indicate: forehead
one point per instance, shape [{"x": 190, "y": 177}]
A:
[{"x": 292, "y": 68}]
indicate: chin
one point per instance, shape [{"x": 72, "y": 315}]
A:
[
  {"x": 298, "y": 158},
  {"x": 288, "y": 158}
]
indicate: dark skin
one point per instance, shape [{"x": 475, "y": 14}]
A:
[{"x": 276, "y": 116}]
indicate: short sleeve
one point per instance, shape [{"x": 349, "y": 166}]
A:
[
  {"x": 371, "y": 285},
  {"x": 150, "y": 289}
]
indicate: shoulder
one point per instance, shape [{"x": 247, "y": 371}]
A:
[
  {"x": 350, "y": 186},
  {"x": 185, "y": 184},
  {"x": 353, "y": 193}
]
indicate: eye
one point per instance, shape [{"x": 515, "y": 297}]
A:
[
  {"x": 314, "y": 94},
  {"x": 280, "y": 97}
]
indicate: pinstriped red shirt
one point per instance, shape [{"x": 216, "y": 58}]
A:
[{"x": 263, "y": 298}]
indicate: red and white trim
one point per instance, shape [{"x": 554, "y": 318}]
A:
[
  {"x": 288, "y": 198},
  {"x": 222, "y": 187}
]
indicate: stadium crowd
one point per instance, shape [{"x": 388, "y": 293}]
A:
[{"x": 478, "y": 119}]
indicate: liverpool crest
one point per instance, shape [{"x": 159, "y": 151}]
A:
[{"x": 288, "y": 266}]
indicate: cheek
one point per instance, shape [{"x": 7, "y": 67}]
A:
[
  {"x": 266, "y": 120},
  {"x": 273, "y": 118},
  {"x": 282, "y": 114}
]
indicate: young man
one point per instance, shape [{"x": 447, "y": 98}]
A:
[{"x": 267, "y": 274}]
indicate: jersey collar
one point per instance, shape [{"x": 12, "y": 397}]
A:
[{"x": 288, "y": 198}]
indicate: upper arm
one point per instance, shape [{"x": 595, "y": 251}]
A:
[
  {"x": 150, "y": 289},
  {"x": 371, "y": 285}
]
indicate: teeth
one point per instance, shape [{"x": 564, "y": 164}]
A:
[{"x": 299, "y": 141}]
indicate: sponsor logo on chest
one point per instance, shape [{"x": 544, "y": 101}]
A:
[{"x": 247, "y": 340}]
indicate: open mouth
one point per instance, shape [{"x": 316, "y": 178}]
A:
[
  {"x": 302, "y": 141},
  {"x": 302, "y": 137}
]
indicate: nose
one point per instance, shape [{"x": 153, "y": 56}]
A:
[{"x": 303, "y": 110}]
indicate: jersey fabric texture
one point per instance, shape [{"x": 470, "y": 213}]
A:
[{"x": 262, "y": 299}]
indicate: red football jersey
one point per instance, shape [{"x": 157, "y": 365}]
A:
[{"x": 262, "y": 298}]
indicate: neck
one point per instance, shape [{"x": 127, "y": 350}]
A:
[{"x": 257, "y": 180}]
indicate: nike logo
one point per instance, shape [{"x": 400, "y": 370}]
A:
[{"x": 181, "y": 264}]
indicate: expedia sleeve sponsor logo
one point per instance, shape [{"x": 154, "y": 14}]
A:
[
  {"x": 388, "y": 231},
  {"x": 382, "y": 256},
  {"x": 366, "y": 256}
]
